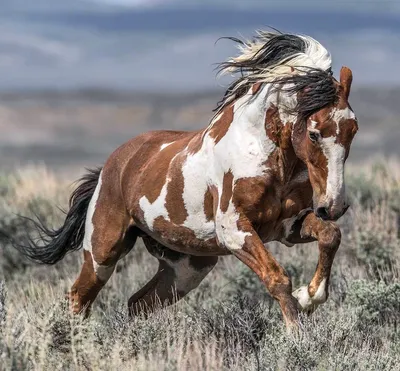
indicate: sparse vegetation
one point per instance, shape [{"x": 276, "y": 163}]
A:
[{"x": 229, "y": 322}]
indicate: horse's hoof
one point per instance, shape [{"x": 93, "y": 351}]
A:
[{"x": 304, "y": 299}]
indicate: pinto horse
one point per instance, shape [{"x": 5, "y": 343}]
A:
[{"x": 269, "y": 167}]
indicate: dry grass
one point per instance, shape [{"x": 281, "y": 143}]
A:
[{"x": 229, "y": 322}]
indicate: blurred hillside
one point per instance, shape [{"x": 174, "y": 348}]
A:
[{"x": 66, "y": 130}]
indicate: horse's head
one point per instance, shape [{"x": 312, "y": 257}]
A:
[{"x": 324, "y": 148}]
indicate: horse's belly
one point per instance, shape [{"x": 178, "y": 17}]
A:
[
  {"x": 195, "y": 234},
  {"x": 183, "y": 239}
]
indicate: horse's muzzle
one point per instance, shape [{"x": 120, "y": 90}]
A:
[{"x": 330, "y": 213}]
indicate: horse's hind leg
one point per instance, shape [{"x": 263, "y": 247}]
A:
[
  {"x": 177, "y": 275},
  {"x": 107, "y": 237}
]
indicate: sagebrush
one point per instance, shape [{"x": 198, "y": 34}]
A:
[{"x": 229, "y": 322}]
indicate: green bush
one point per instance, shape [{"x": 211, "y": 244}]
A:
[{"x": 376, "y": 301}]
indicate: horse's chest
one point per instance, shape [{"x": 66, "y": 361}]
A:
[
  {"x": 276, "y": 206},
  {"x": 258, "y": 199}
]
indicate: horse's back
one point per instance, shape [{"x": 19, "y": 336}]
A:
[{"x": 140, "y": 166}]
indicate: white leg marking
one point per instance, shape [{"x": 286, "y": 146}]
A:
[
  {"x": 320, "y": 295},
  {"x": 306, "y": 301},
  {"x": 303, "y": 297}
]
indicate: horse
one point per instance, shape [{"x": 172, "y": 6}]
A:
[{"x": 268, "y": 167}]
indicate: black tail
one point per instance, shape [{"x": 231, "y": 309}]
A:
[{"x": 58, "y": 242}]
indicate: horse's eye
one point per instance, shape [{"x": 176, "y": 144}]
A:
[{"x": 314, "y": 136}]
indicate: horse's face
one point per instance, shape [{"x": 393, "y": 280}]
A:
[{"x": 325, "y": 149}]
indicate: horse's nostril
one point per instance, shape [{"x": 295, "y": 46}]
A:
[{"x": 323, "y": 213}]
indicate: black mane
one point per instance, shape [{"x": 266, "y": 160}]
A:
[{"x": 317, "y": 86}]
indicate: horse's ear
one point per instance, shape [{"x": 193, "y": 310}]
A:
[{"x": 346, "y": 78}]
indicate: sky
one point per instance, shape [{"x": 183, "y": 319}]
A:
[{"x": 170, "y": 45}]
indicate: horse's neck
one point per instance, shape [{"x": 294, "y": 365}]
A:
[
  {"x": 263, "y": 117},
  {"x": 252, "y": 136}
]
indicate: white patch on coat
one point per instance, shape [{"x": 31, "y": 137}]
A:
[
  {"x": 313, "y": 124},
  {"x": 87, "y": 239},
  {"x": 227, "y": 230},
  {"x": 151, "y": 211},
  {"x": 306, "y": 301},
  {"x": 103, "y": 272},
  {"x": 165, "y": 145},
  {"x": 320, "y": 295},
  {"x": 303, "y": 297},
  {"x": 335, "y": 155},
  {"x": 338, "y": 115},
  {"x": 157, "y": 208},
  {"x": 195, "y": 171}
]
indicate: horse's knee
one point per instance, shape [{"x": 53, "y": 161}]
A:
[
  {"x": 330, "y": 236},
  {"x": 279, "y": 285}
]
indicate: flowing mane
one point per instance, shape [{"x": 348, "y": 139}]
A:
[{"x": 297, "y": 61}]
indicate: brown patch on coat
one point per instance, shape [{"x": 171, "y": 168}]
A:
[
  {"x": 226, "y": 195},
  {"x": 85, "y": 289},
  {"x": 160, "y": 170},
  {"x": 257, "y": 199},
  {"x": 256, "y": 87},
  {"x": 209, "y": 202},
  {"x": 110, "y": 220},
  {"x": 346, "y": 78},
  {"x": 318, "y": 174},
  {"x": 184, "y": 239},
  {"x": 174, "y": 202},
  {"x": 348, "y": 129},
  {"x": 273, "y": 124},
  {"x": 195, "y": 144},
  {"x": 325, "y": 124},
  {"x": 221, "y": 126},
  {"x": 286, "y": 140}
]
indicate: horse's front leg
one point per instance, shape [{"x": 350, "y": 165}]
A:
[
  {"x": 236, "y": 233},
  {"x": 328, "y": 235}
]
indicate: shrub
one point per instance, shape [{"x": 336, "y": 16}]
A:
[{"x": 376, "y": 301}]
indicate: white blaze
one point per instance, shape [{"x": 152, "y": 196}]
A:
[
  {"x": 335, "y": 156},
  {"x": 334, "y": 153}
]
